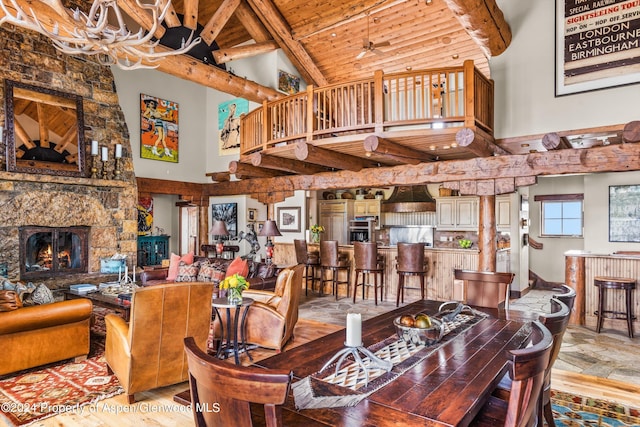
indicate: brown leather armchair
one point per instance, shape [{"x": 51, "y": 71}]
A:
[
  {"x": 273, "y": 315},
  {"x": 41, "y": 334},
  {"x": 148, "y": 352}
]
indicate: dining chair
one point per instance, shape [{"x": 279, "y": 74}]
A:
[
  {"x": 221, "y": 392},
  {"x": 334, "y": 262},
  {"x": 527, "y": 370},
  {"x": 485, "y": 288},
  {"x": 567, "y": 295},
  {"x": 310, "y": 260},
  {"x": 367, "y": 262},
  {"x": 411, "y": 262}
]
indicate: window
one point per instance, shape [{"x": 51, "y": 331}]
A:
[{"x": 561, "y": 215}]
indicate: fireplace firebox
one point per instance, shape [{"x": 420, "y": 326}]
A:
[{"x": 52, "y": 251}]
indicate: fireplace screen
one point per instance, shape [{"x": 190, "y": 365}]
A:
[{"x": 48, "y": 251}]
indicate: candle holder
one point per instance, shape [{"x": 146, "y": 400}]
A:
[
  {"x": 374, "y": 361},
  {"x": 94, "y": 166},
  {"x": 116, "y": 169},
  {"x": 105, "y": 175}
]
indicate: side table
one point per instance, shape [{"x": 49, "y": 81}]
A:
[{"x": 228, "y": 343}]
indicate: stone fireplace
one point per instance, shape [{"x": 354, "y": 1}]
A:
[
  {"x": 105, "y": 208},
  {"x": 52, "y": 251}
]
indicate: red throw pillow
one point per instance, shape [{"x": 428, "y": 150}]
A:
[
  {"x": 238, "y": 265},
  {"x": 174, "y": 264}
]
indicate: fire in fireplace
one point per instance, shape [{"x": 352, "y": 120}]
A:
[{"x": 52, "y": 251}]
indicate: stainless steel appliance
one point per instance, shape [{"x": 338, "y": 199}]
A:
[
  {"x": 362, "y": 229},
  {"x": 411, "y": 234}
]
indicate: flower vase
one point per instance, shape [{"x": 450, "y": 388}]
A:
[
  {"x": 234, "y": 296},
  {"x": 315, "y": 237}
]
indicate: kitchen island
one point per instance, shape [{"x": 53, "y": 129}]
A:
[{"x": 442, "y": 262}]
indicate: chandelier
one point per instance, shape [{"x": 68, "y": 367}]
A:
[{"x": 75, "y": 33}]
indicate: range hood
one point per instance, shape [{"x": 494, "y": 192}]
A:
[{"x": 410, "y": 198}]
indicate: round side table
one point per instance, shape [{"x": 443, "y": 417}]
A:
[{"x": 229, "y": 343}]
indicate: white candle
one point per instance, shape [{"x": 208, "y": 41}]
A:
[
  {"x": 118, "y": 151},
  {"x": 133, "y": 266},
  {"x": 354, "y": 330},
  {"x": 119, "y": 274},
  {"x": 94, "y": 148},
  {"x": 104, "y": 154}
]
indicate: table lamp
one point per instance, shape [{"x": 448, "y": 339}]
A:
[
  {"x": 269, "y": 230},
  {"x": 219, "y": 229}
]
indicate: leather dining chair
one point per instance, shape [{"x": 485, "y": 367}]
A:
[
  {"x": 311, "y": 262},
  {"x": 527, "y": 370},
  {"x": 333, "y": 262},
  {"x": 411, "y": 262},
  {"x": 225, "y": 390},
  {"x": 367, "y": 262},
  {"x": 486, "y": 288}
]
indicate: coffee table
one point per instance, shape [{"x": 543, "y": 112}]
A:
[{"x": 122, "y": 308}]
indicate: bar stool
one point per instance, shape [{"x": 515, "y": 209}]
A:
[
  {"x": 331, "y": 260},
  {"x": 311, "y": 262},
  {"x": 606, "y": 283},
  {"x": 410, "y": 262},
  {"x": 367, "y": 262}
]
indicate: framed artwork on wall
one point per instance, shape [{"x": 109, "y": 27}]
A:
[
  {"x": 229, "y": 115},
  {"x": 595, "y": 45},
  {"x": 289, "y": 219},
  {"x": 158, "y": 129},
  {"x": 145, "y": 215},
  {"x": 227, "y": 212},
  {"x": 252, "y": 214},
  {"x": 624, "y": 213},
  {"x": 288, "y": 83}
]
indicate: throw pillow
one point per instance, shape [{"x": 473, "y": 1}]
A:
[
  {"x": 206, "y": 272},
  {"x": 174, "y": 264},
  {"x": 40, "y": 295},
  {"x": 187, "y": 272},
  {"x": 9, "y": 300},
  {"x": 239, "y": 266}
]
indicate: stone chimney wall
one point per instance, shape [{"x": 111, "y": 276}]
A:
[{"x": 106, "y": 205}]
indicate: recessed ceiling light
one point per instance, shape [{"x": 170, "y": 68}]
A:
[
  {"x": 333, "y": 34},
  {"x": 409, "y": 68},
  {"x": 524, "y": 145},
  {"x": 455, "y": 56},
  {"x": 432, "y": 147}
]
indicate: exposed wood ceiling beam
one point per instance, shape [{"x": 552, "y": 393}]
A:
[
  {"x": 279, "y": 29},
  {"x": 245, "y": 171},
  {"x": 380, "y": 146},
  {"x": 478, "y": 143},
  {"x": 631, "y": 132},
  {"x": 610, "y": 158},
  {"x": 485, "y": 23},
  {"x": 141, "y": 16},
  {"x": 286, "y": 165},
  {"x": 190, "y": 14},
  {"x": 225, "y": 55},
  {"x": 252, "y": 23},
  {"x": 553, "y": 141},
  {"x": 218, "y": 20},
  {"x": 219, "y": 176},
  {"x": 331, "y": 159}
]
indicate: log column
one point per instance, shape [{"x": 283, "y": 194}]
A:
[
  {"x": 574, "y": 271},
  {"x": 487, "y": 234}
]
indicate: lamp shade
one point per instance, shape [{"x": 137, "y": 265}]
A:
[
  {"x": 270, "y": 229},
  {"x": 219, "y": 228}
]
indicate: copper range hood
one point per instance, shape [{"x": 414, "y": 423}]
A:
[{"x": 410, "y": 198}]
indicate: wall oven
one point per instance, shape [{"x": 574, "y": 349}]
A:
[{"x": 362, "y": 229}]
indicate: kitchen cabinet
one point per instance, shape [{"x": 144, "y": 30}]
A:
[
  {"x": 368, "y": 207},
  {"x": 503, "y": 213},
  {"x": 457, "y": 213},
  {"x": 152, "y": 250},
  {"x": 334, "y": 217}
]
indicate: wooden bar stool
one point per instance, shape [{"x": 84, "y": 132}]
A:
[
  {"x": 622, "y": 283},
  {"x": 333, "y": 261},
  {"x": 367, "y": 262},
  {"x": 411, "y": 263},
  {"x": 311, "y": 262}
]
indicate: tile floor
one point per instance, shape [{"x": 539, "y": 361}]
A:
[{"x": 610, "y": 354}]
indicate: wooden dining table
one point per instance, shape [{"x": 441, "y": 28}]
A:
[{"x": 446, "y": 388}]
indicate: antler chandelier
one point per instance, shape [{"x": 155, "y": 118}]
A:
[{"x": 91, "y": 34}]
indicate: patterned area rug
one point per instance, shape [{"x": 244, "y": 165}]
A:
[
  {"x": 570, "y": 410},
  {"x": 42, "y": 392}
]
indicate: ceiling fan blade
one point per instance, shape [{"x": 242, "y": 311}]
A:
[
  {"x": 382, "y": 44},
  {"x": 362, "y": 53},
  {"x": 377, "y": 52}
]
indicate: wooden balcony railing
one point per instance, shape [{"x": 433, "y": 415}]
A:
[{"x": 443, "y": 97}]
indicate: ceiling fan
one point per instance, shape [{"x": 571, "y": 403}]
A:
[{"x": 369, "y": 46}]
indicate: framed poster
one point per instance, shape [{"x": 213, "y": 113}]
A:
[
  {"x": 227, "y": 212},
  {"x": 252, "y": 214},
  {"x": 288, "y": 83},
  {"x": 229, "y": 115},
  {"x": 158, "y": 129},
  {"x": 145, "y": 216},
  {"x": 624, "y": 213},
  {"x": 289, "y": 219},
  {"x": 596, "y": 45}
]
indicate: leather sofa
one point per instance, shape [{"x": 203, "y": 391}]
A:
[
  {"x": 148, "y": 352},
  {"x": 261, "y": 275},
  {"x": 41, "y": 334}
]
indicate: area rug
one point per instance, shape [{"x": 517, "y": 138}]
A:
[
  {"x": 38, "y": 393},
  {"x": 570, "y": 410}
]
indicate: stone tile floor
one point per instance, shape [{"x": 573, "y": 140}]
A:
[{"x": 610, "y": 354}]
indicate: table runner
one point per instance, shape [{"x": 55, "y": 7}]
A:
[{"x": 347, "y": 388}]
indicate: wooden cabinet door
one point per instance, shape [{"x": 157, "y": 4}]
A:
[
  {"x": 446, "y": 213},
  {"x": 360, "y": 207},
  {"x": 503, "y": 213},
  {"x": 467, "y": 213}
]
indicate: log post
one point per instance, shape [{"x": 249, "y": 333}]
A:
[
  {"x": 487, "y": 234},
  {"x": 574, "y": 276}
]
